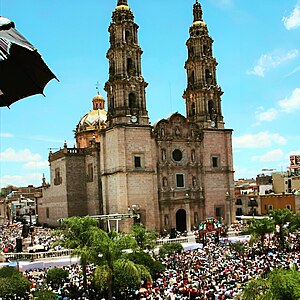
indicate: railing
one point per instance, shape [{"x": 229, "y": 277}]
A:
[
  {"x": 170, "y": 241},
  {"x": 37, "y": 255}
]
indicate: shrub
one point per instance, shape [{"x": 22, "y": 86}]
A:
[
  {"x": 56, "y": 275},
  {"x": 9, "y": 272},
  {"x": 13, "y": 282}
]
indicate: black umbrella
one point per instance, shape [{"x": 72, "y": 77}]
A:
[{"x": 23, "y": 72}]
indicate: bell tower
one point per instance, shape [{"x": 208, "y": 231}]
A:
[
  {"x": 126, "y": 86},
  {"x": 202, "y": 95}
]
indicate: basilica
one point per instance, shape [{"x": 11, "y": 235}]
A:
[{"x": 174, "y": 173}]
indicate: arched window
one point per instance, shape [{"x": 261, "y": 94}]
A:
[
  {"x": 191, "y": 51},
  {"x": 127, "y": 36},
  {"x": 129, "y": 65},
  {"x": 112, "y": 68},
  {"x": 211, "y": 108},
  {"x": 207, "y": 76},
  {"x": 204, "y": 50},
  {"x": 132, "y": 100},
  {"x": 193, "y": 109},
  {"x": 112, "y": 102},
  {"x": 192, "y": 78}
]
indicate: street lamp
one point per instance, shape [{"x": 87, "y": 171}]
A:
[{"x": 134, "y": 211}]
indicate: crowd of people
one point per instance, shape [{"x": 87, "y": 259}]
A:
[
  {"x": 8, "y": 236},
  {"x": 214, "y": 271},
  {"x": 72, "y": 288},
  {"x": 38, "y": 239},
  {"x": 217, "y": 271}
]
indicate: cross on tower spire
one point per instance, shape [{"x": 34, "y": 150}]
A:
[
  {"x": 197, "y": 11},
  {"x": 97, "y": 87}
]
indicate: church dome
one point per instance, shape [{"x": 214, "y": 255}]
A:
[
  {"x": 95, "y": 119},
  {"x": 98, "y": 97}
]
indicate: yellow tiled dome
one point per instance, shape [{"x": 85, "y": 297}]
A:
[{"x": 95, "y": 118}]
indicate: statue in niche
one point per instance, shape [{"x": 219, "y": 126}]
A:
[
  {"x": 165, "y": 182},
  {"x": 193, "y": 155},
  {"x": 194, "y": 182},
  {"x": 163, "y": 154},
  {"x": 192, "y": 133}
]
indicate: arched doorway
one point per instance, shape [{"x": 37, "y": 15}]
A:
[{"x": 181, "y": 220}]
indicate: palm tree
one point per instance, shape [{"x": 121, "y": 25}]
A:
[
  {"x": 259, "y": 229},
  {"x": 145, "y": 239},
  {"x": 76, "y": 234},
  {"x": 113, "y": 268},
  {"x": 281, "y": 217}
]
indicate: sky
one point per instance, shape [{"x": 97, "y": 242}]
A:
[{"x": 256, "y": 43}]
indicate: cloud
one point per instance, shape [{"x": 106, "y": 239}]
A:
[
  {"x": 6, "y": 134},
  {"x": 244, "y": 173},
  {"x": 21, "y": 180},
  {"x": 274, "y": 155},
  {"x": 293, "y": 20},
  {"x": 266, "y": 115},
  {"x": 293, "y": 72},
  {"x": 289, "y": 104},
  {"x": 292, "y": 102},
  {"x": 36, "y": 165},
  {"x": 258, "y": 140},
  {"x": 270, "y": 61},
  {"x": 17, "y": 156},
  {"x": 49, "y": 139}
]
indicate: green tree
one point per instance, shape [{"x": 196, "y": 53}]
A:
[
  {"x": 57, "y": 275},
  {"x": 13, "y": 282},
  {"x": 281, "y": 217},
  {"x": 295, "y": 222},
  {"x": 142, "y": 258},
  {"x": 259, "y": 228},
  {"x": 77, "y": 235},
  {"x": 145, "y": 239},
  {"x": 278, "y": 285},
  {"x": 110, "y": 259},
  {"x": 238, "y": 247},
  {"x": 129, "y": 275}
]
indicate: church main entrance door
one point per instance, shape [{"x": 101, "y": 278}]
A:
[{"x": 181, "y": 220}]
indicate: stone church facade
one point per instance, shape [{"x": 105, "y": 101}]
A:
[{"x": 175, "y": 173}]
